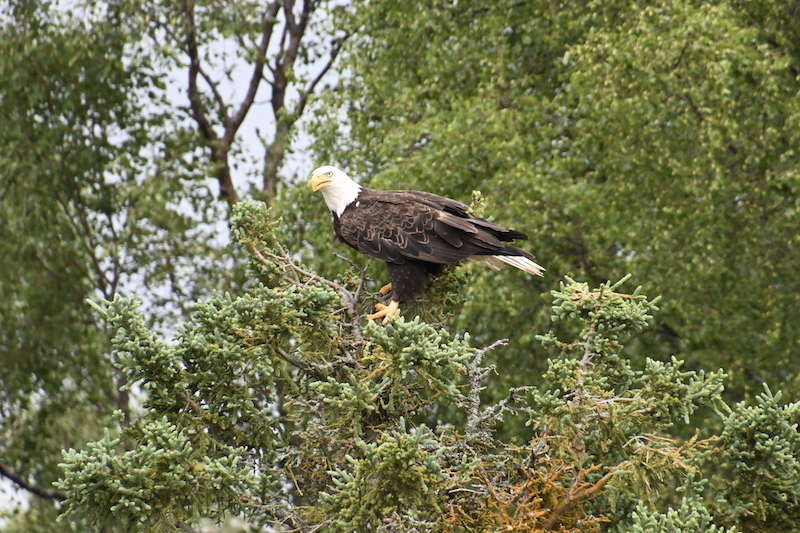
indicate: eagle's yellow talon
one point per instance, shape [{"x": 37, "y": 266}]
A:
[
  {"x": 385, "y": 311},
  {"x": 386, "y": 289}
]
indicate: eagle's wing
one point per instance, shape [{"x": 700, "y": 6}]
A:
[{"x": 398, "y": 225}]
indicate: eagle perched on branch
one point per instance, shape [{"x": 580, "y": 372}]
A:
[{"x": 417, "y": 233}]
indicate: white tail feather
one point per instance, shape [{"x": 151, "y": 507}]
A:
[{"x": 495, "y": 262}]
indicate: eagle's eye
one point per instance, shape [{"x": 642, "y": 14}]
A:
[{"x": 329, "y": 173}]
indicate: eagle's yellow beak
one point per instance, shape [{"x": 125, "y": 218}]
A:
[{"x": 318, "y": 181}]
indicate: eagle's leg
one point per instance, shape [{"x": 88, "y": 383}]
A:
[
  {"x": 385, "y": 311},
  {"x": 386, "y": 289}
]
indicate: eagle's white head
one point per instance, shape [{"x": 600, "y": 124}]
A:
[{"x": 337, "y": 188}]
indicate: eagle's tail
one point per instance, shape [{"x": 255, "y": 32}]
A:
[{"x": 511, "y": 256}]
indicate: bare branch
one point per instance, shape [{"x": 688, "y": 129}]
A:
[
  {"x": 284, "y": 61},
  {"x": 308, "y": 369},
  {"x": 296, "y": 32},
  {"x": 43, "y": 492},
  {"x": 337, "y": 47},
  {"x": 281, "y": 44},
  {"x": 164, "y": 26},
  {"x": 223, "y": 108},
  {"x": 255, "y": 78},
  {"x": 476, "y": 376},
  {"x": 219, "y": 148},
  {"x": 361, "y": 282},
  {"x": 296, "y": 268},
  {"x": 82, "y": 227},
  {"x": 288, "y": 11},
  {"x": 198, "y": 113},
  {"x": 115, "y": 256},
  {"x": 585, "y": 361},
  {"x": 287, "y": 56},
  {"x": 351, "y": 301}
]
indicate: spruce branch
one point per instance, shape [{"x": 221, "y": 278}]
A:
[
  {"x": 477, "y": 374},
  {"x": 294, "y": 361},
  {"x": 349, "y": 299},
  {"x": 204, "y": 415},
  {"x": 578, "y": 492}
]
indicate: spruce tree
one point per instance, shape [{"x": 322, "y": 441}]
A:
[{"x": 280, "y": 406}]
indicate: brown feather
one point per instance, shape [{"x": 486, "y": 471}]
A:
[{"x": 428, "y": 230}]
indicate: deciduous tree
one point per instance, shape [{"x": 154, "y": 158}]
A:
[
  {"x": 655, "y": 138},
  {"x": 120, "y": 122}
]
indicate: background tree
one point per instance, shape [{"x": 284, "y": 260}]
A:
[
  {"x": 658, "y": 139},
  {"x": 116, "y": 119},
  {"x": 276, "y": 52}
]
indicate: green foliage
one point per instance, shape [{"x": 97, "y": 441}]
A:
[
  {"x": 73, "y": 136},
  {"x": 690, "y": 516},
  {"x": 395, "y": 478},
  {"x": 107, "y": 188},
  {"x": 656, "y": 138},
  {"x": 655, "y": 397},
  {"x": 400, "y": 373},
  {"x": 210, "y": 395},
  {"x": 605, "y": 314},
  {"x": 159, "y": 484},
  {"x": 281, "y": 407},
  {"x": 759, "y": 453},
  {"x": 599, "y": 412},
  {"x": 415, "y": 351}
]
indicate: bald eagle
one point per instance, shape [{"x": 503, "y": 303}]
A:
[{"x": 417, "y": 233}]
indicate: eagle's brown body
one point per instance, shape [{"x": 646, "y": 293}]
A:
[{"x": 418, "y": 233}]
